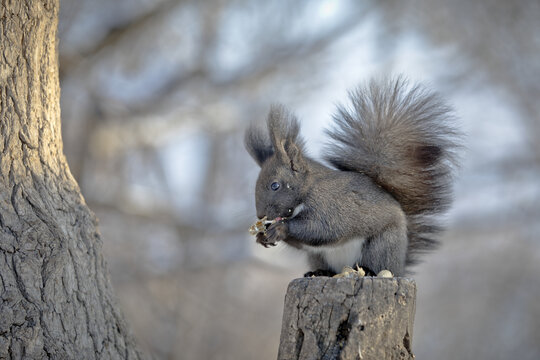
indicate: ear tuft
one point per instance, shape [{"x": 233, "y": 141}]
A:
[
  {"x": 281, "y": 139},
  {"x": 258, "y": 144},
  {"x": 284, "y": 130}
]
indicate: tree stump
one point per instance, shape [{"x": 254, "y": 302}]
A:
[{"x": 348, "y": 318}]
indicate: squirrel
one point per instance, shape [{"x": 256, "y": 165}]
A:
[{"x": 392, "y": 156}]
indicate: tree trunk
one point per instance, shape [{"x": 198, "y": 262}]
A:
[
  {"x": 349, "y": 318},
  {"x": 56, "y": 299}
]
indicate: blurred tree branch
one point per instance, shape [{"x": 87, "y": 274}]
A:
[
  {"x": 499, "y": 39},
  {"x": 114, "y": 36}
]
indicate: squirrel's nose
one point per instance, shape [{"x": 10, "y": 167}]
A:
[{"x": 260, "y": 216}]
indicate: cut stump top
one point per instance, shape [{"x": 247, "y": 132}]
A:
[{"x": 348, "y": 318}]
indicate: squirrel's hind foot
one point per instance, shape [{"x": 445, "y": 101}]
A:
[{"x": 320, "y": 272}]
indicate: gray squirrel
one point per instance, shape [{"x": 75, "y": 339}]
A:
[{"x": 392, "y": 153}]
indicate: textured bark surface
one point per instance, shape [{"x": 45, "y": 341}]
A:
[
  {"x": 348, "y": 318},
  {"x": 55, "y": 295}
]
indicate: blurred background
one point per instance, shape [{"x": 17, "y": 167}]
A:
[{"x": 156, "y": 95}]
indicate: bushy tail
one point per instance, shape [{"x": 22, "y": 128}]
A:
[{"x": 403, "y": 137}]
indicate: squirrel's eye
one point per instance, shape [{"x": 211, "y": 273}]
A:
[{"x": 274, "y": 186}]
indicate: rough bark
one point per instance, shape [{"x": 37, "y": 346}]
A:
[
  {"x": 348, "y": 318},
  {"x": 56, "y": 299}
]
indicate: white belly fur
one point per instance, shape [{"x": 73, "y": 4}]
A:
[{"x": 347, "y": 254}]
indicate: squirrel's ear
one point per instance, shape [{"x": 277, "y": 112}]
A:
[
  {"x": 284, "y": 129},
  {"x": 295, "y": 156},
  {"x": 258, "y": 144}
]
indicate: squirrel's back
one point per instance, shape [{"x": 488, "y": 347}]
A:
[{"x": 403, "y": 137}]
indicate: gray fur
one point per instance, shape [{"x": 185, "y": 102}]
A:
[{"x": 393, "y": 154}]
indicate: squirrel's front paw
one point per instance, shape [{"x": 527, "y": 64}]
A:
[
  {"x": 263, "y": 240},
  {"x": 276, "y": 232}
]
